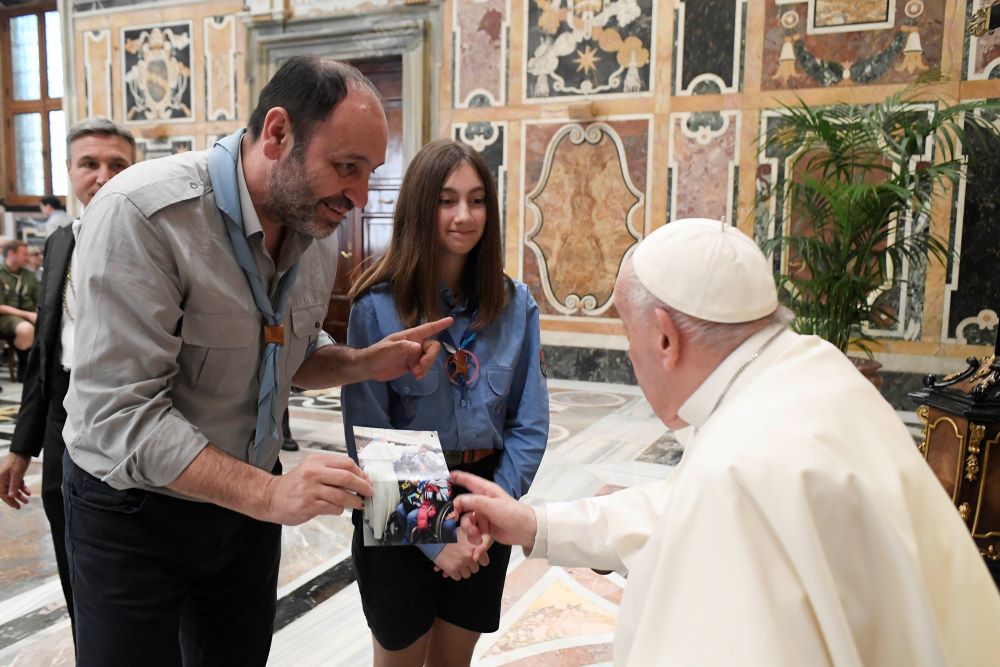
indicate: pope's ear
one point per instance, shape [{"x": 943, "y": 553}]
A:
[{"x": 668, "y": 338}]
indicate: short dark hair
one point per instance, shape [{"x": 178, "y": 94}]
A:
[
  {"x": 101, "y": 127},
  {"x": 12, "y": 245},
  {"x": 49, "y": 200},
  {"x": 308, "y": 89}
]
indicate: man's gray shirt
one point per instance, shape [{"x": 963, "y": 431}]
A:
[{"x": 168, "y": 338}]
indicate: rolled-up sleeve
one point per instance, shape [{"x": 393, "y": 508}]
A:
[
  {"x": 124, "y": 426},
  {"x": 526, "y": 430}
]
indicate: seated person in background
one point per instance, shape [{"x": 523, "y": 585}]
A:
[
  {"x": 55, "y": 214},
  {"x": 801, "y": 527},
  {"x": 19, "y": 296}
]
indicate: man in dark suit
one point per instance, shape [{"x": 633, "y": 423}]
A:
[{"x": 97, "y": 149}]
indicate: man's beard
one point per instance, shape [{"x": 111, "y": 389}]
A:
[{"x": 293, "y": 202}]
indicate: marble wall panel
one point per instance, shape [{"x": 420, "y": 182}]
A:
[
  {"x": 96, "y": 52},
  {"x": 704, "y": 164},
  {"x": 220, "y": 67},
  {"x": 823, "y": 43},
  {"x": 480, "y": 37},
  {"x": 81, "y": 6},
  {"x": 982, "y": 54},
  {"x": 708, "y": 54},
  {"x": 157, "y": 77},
  {"x": 314, "y": 8},
  {"x": 150, "y": 149},
  {"x": 972, "y": 296},
  {"x": 585, "y": 208},
  {"x": 588, "y": 47},
  {"x": 489, "y": 140}
]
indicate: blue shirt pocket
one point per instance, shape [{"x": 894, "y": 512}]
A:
[
  {"x": 499, "y": 379},
  {"x": 410, "y": 390}
]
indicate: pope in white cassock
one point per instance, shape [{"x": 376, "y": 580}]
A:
[{"x": 802, "y": 527}]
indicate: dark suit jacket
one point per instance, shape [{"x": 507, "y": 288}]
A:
[{"x": 43, "y": 360}]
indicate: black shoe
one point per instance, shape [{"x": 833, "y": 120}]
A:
[{"x": 289, "y": 445}]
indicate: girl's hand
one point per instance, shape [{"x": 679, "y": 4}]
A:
[{"x": 459, "y": 560}]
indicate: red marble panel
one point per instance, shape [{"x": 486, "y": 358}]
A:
[
  {"x": 584, "y": 203},
  {"x": 702, "y": 158},
  {"x": 479, "y": 64},
  {"x": 796, "y": 56}
]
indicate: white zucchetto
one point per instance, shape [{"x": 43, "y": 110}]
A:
[{"x": 707, "y": 269}]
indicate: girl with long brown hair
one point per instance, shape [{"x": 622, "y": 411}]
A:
[{"x": 486, "y": 397}]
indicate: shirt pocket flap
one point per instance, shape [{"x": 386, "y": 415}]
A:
[
  {"x": 499, "y": 379},
  {"x": 225, "y": 330},
  {"x": 308, "y": 320},
  {"x": 410, "y": 386}
]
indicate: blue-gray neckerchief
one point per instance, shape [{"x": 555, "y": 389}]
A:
[{"x": 222, "y": 165}]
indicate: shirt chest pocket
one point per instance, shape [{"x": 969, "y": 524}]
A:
[
  {"x": 307, "y": 322},
  {"x": 220, "y": 352},
  {"x": 408, "y": 392},
  {"x": 499, "y": 380}
]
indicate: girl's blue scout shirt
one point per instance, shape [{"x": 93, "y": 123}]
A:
[{"x": 507, "y": 408}]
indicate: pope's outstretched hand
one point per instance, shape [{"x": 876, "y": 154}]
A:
[{"x": 489, "y": 512}]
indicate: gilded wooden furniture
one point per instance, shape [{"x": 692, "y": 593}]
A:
[{"x": 960, "y": 414}]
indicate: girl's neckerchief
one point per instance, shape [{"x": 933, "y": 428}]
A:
[{"x": 461, "y": 365}]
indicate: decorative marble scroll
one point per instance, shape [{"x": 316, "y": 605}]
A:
[
  {"x": 809, "y": 43},
  {"x": 480, "y": 37},
  {"x": 704, "y": 164},
  {"x": 585, "y": 208},
  {"x": 157, "y": 73},
  {"x": 708, "y": 46},
  {"x": 220, "y": 67},
  {"x": 588, "y": 47},
  {"x": 96, "y": 49}
]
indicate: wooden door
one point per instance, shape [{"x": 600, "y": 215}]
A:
[{"x": 364, "y": 234}]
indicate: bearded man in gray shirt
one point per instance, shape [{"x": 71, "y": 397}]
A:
[{"x": 201, "y": 293}]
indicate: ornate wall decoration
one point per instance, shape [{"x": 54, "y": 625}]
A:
[
  {"x": 307, "y": 8},
  {"x": 846, "y": 42},
  {"x": 904, "y": 300},
  {"x": 587, "y": 47},
  {"x": 150, "y": 149},
  {"x": 220, "y": 67},
  {"x": 982, "y": 54},
  {"x": 585, "y": 209},
  {"x": 82, "y": 6},
  {"x": 704, "y": 164},
  {"x": 157, "y": 76},
  {"x": 96, "y": 49},
  {"x": 489, "y": 140},
  {"x": 708, "y": 47},
  {"x": 480, "y": 37},
  {"x": 973, "y": 282}
]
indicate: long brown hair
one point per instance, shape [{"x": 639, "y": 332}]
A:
[{"x": 411, "y": 262}]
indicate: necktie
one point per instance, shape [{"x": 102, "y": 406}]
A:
[{"x": 221, "y": 168}]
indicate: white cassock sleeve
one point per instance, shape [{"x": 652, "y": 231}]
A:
[{"x": 604, "y": 532}]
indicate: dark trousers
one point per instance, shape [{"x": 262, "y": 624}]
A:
[
  {"x": 162, "y": 581},
  {"x": 53, "y": 448}
]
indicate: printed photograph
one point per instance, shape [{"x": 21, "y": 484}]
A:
[{"x": 412, "y": 500}]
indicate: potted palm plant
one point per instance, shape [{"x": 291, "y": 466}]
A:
[{"x": 855, "y": 205}]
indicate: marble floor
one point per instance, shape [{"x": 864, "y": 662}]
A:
[{"x": 602, "y": 437}]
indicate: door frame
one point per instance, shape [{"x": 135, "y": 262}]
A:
[{"x": 412, "y": 32}]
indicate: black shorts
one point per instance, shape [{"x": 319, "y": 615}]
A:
[{"x": 401, "y": 594}]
